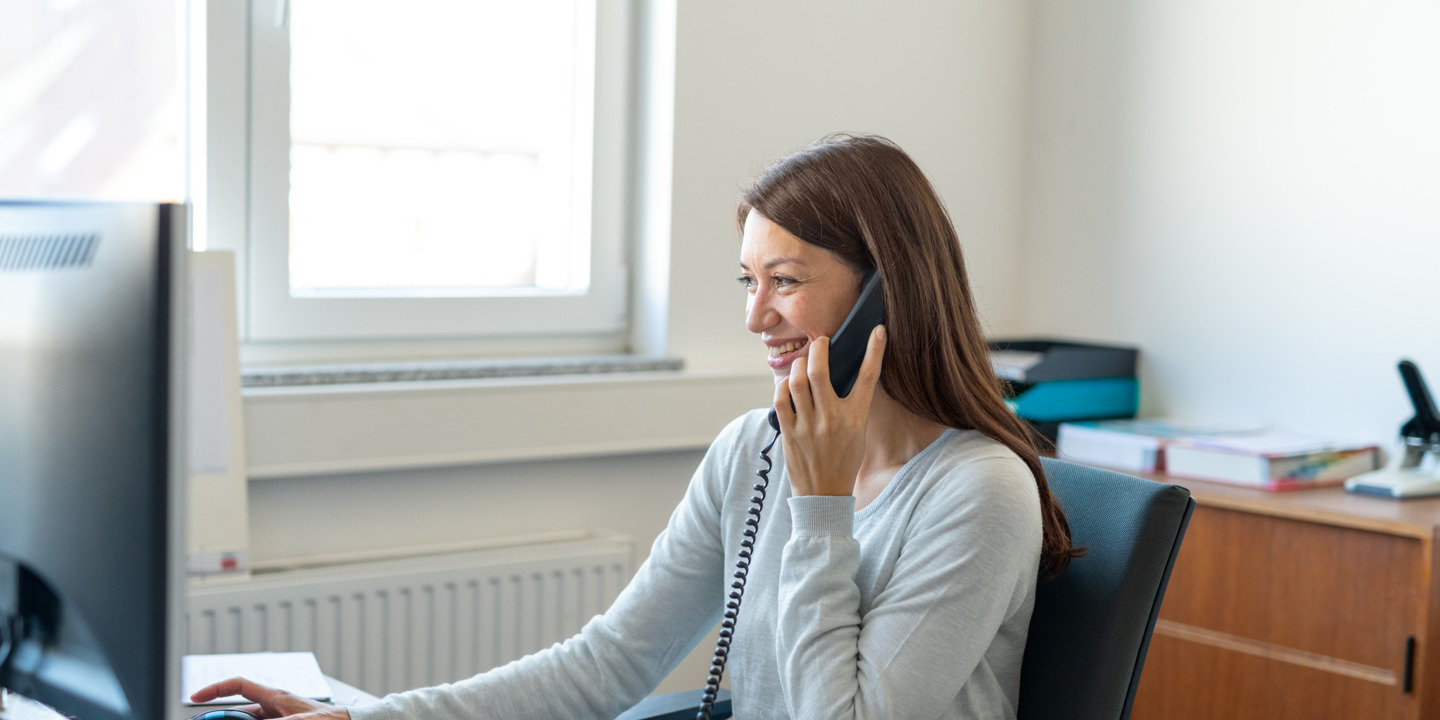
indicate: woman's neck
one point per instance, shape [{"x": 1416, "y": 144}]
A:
[{"x": 893, "y": 435}]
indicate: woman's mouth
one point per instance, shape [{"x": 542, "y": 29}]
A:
[{"x": 783, "y": 355}]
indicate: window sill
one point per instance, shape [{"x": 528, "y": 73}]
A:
[
  {"x": 326, "y": 429},
  {"x": 429, "y": 371}
]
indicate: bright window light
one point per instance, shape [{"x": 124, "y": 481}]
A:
[{"x": 440, "y": 148}]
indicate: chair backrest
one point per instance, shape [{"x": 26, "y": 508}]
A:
[{"x": 1092, "y": 624}]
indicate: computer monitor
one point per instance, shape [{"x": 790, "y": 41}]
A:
[{"x": 91, "y": 462}]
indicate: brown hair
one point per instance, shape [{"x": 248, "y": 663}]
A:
[{"x": 862, "y": 198}]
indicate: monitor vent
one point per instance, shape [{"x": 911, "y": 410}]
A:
[{"x": 20, "y": 253}]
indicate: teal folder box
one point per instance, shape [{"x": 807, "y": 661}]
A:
[{"x": 1053, "y": 381}]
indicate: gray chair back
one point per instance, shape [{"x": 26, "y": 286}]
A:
[{"x": 1091, "y": 625}]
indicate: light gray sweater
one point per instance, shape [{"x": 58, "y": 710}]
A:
[{"x": 916, "y": 606}]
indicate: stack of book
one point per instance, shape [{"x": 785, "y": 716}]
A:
[
  {"x": 1238, "y": 455},
  {"x": 1272, "y": 461},
  {"x": 1134, "y": 445}
]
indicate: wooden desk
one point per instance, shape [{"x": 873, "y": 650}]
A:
[{"x": 1306, "y": 604}]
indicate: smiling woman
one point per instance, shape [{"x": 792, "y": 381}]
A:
[{"x": 893, "y": 570}]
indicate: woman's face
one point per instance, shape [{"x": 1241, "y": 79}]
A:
[{"x": 797, "y": 292}]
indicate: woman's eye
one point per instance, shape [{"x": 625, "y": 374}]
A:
[
  {"x": 782, "y": 281},
  {"x": 746, "y": 281}
]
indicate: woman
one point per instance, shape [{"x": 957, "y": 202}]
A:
[{"x": 896, "y": 560}]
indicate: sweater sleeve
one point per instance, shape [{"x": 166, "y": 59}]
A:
[
  {"x": 967, "y": 548},
  {"x": 618, "y": 657}
]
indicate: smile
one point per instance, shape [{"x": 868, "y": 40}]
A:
[{"x": 790, "y": 347}]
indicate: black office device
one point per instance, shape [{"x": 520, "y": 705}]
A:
[
  {"x": 91, "y": 471},
  {"x": 1424, "y": 428},
  {"x": 1414, "y": 471}
]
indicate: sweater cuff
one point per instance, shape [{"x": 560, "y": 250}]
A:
[
  {"x": 823, "y": 515},
  {"x": 373, "y": 711}
]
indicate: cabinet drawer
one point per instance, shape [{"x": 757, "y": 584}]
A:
[
  {"x": 1270, "y": 617},
  {"x": 1348, "y": 594},
  {"x": 1185, "y": 680}
]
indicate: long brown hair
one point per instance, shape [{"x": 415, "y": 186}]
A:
[{"x": 862, "y": 198}]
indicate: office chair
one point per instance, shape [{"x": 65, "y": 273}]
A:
[{"x": 1091, "y": 625}]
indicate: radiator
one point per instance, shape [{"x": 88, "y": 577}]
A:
[{"x": 399, "y": 624}]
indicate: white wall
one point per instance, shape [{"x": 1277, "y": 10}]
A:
[
  {"x": 757, "y": 79},
  {"x": 324, "y": 515},
  {"x": 1247, "y": 189}
]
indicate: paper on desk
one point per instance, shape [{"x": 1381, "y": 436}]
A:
[{"x": 296, "y": 672}]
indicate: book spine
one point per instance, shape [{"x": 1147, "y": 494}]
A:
[
  {"x": 1337, "y": 465},
  {"x": 1280, "y": 485}
]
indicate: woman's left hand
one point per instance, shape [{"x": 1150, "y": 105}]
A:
[{"x": 824, "y": 434}]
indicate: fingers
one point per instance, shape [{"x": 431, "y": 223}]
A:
[
  {"x": 817, "y": 367},
  {"x": 235, "y": 686},
  {"x": 784, "y": 410},
  {"x": 808, "y": 384},
  {"x": 801, "y": 392},
  {"x": 269, "y": 702},
  {"x": 869, "y": 375}
]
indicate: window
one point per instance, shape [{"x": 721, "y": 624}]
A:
[{"x": 430, "y": 169}]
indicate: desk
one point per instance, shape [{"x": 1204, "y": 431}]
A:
[
  {"x": 1306, "y": 604},
  {"x": 18, "y": 707},
  {"x": 346, "y": 695}
]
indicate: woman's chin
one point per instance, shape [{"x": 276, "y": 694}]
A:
[{"x": 780, "y": 373}]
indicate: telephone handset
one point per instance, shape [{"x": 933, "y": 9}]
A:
[
  {"x": 847, "y": 353},
  {"x": 847, "y": 347}
]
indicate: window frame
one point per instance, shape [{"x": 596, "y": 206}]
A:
[{"x": 594, "y": 321}]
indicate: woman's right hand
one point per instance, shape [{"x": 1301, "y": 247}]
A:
[
  {"x": 824, "y": 434},
  {"x": 270, "y": 702}
]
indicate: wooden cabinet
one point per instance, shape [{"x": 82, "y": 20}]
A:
[{"x": 1309, "y": 604}]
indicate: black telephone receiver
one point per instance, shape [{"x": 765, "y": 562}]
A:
[
  {"x": 847, "y": 354},
  {"x": 847, "y": 348}
]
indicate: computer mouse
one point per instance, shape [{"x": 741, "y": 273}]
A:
[{"x": 226, "y": 714}]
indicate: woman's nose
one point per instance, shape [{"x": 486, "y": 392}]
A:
[{"x": 759, "y": 313}]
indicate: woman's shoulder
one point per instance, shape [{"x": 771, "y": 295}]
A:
[
  {"x": 972, "y": 450},
  {"x": 972, "y": 467}
]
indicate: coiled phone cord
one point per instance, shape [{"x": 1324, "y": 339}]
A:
[{"x": 737, "y": 592}]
